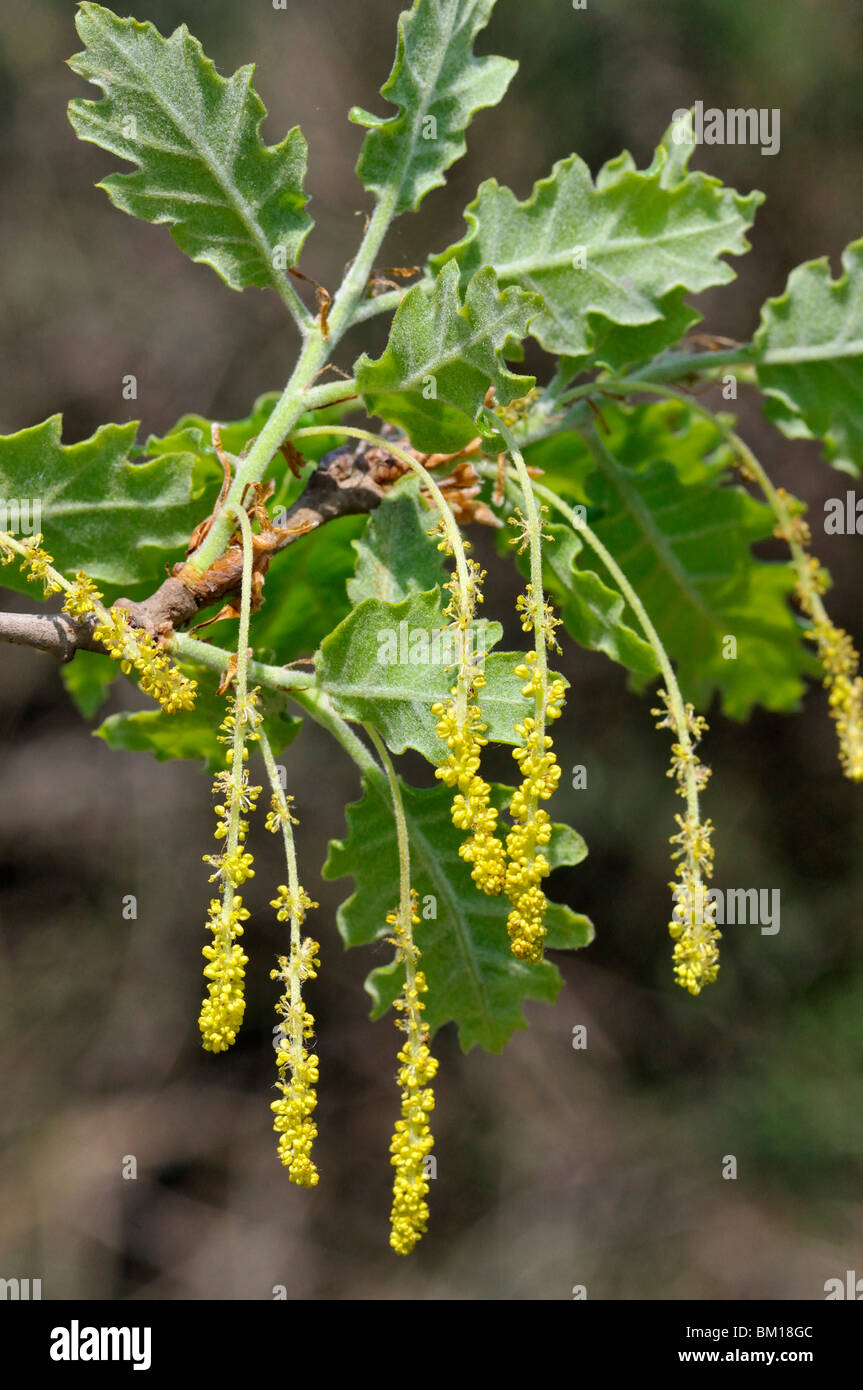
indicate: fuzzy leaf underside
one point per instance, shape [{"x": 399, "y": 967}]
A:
[
  {"x": 442, "y": 356},
  {"x": 473, "y": 978},
  {"x": 232, "y": 202},
  {"x": 438, "y": 85},
  {"x": 813, "y": 333}
]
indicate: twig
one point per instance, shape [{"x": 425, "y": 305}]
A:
[{"x": 350, "y": 480}]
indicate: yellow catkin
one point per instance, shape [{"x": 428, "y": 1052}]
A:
[
  {"x": 137, "y": 650},
  {"x": 838, "y": 659},
  {"x": 529, "y": 837},
  {"x": 412, "y": 1140},
  {"x": 837, "y": 654},
  {"x": 223, "y": 1008},
  {"x": 460, "y": 726},
  {"x": 472, "y": 810},
  {"x": 693, "y": 924},
  {"x": 134, "y": 648},
  {"x": 840, "y": 663},
  {"x": 297, "y": 1066}
]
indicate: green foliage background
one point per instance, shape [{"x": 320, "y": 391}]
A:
[{"x": 555, "y": 1167}]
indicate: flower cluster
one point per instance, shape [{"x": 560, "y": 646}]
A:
[
  {"x": 531, "y": 833},
  {"x": 82, "y": 598},
  {"x": 298, "y": 1067},
  {"x": 534, "y": 613},
  {"x": 837, "y": 655},
  {"x": 412, "y": 1140},
  {"x": 36, "y": 563},
  {"x": 460, "y": 725},
  {"x": 840, "y": 662},
  {"x": 693, "y": 923},
  {"x": 222, "y": 1010},
  {"x": 472, "y": 810},
  {"x": 134, "y": 648}
]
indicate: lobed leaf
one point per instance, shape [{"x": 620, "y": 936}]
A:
[
  {"x": 621, "y": 251},
  {"x": 592, "y": 613},
  {"x": 811, "y": 342},
  {"x": 85, "y": 490},
  {"x": 438, "y": 85},
  {"x": 232, "y": 202},
  {"x": 443, "y": 355},
  {"x": 686, "y": 549}
]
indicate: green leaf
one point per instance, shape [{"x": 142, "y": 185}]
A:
[
  {"x": 87, "y": 680},
  {"x": 191, "y": 733},
  {"x": 592, "y": 613},
  {"x": 672, "y": 156},
  {"x": 686, "y": 549},
  {"x": 90, "y": 491},
  {"x": 233, "y": 202},
  {"x": 621, "y": 346},
  {"x": 667, "y": 429},
  {"x": 566, "y": 463},
  {"x": 396, "y": 556},
  {"x": 442, "y": 356},
  {"x": 438, "y": 85},
  {"x": 388, "y": 663},
  {"x": 473, "y": 978},
  {"x": 618, "y": 346},
  {"x": 621, "y": 251},
  {"x": 811, "y": 343}
]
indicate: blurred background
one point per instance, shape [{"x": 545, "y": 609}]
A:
[{"x": 556, "y": 1167}]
